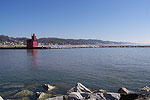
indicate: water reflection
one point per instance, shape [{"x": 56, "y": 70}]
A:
[{"x": 33, "y": 52}]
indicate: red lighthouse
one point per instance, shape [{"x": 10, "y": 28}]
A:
[{"x": 32, "y": 42}]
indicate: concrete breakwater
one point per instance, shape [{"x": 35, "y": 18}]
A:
[
  {"x": 75, "y": 46},
  {"x": 80, "y": 92},
  {"x": 22, "y": 48}
]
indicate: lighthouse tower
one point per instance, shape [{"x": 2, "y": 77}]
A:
[{"x": 32, "y": 42}]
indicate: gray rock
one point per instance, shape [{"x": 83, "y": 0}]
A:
[
  {"x": 81, "y": 88},
  {"x": 144, "y": 93},
  {"x": 145, "y": 96},
  {"x": 131, "y": 96},
  {"x": 97, "y": 96},
  {"x": 145, "y": 89},
  {"x": 105, "y": 96},
  {"x": 57, "y": 98},
  {"x": 42, "y": 95},
  {"x": 85, "y": 95},
  {"x": 71, "y": 90},
  {"x": 1, "y": 98},
  {"x": 123, "y": 90},
  {"x": 48, "y": 87},
  {"x": 75, "y": 96},
  {"x": 100, "y": 91},
  {"x": 112, "y": 96}
]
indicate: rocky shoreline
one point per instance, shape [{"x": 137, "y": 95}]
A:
[{"x": 80, "y": 92}]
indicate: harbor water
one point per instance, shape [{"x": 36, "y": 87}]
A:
[{"x": 96, "y": 68}]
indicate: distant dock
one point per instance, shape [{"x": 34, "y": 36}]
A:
[{"x": 78, "y": 46}]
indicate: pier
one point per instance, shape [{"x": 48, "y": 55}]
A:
[
  {"x": 78, "y": 46},
  {"x": 23, "y": 48}
]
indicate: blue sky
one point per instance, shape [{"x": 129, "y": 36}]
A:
[{"x": 117, "y": 20}]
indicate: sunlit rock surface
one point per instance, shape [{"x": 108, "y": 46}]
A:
[
  {"x": 1, "y": 98},
  {"x": 48, "y": 87}
]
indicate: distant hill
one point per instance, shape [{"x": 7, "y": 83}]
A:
[
  {"x": 9, "y": 40},
  {"x": 59, "y": 41},
  {"x": 76, "y": 41}
]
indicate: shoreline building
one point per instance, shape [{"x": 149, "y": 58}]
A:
[{"x": 32, "y": 42}]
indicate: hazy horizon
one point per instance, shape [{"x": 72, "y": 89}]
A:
[{"x": 111, "y": 20}]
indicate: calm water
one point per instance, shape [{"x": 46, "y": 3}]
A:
[{"x": 97, "y": 68}]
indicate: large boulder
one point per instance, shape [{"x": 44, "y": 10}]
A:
[
  {"x": 105, "y": 96},
  {"x": 144, "y": 96},
  {"x": 144, "y": 93},
  {"x": 81, "y": 89},
  {"x": 100, "y": 91},
  {"x": 112, "y": 96},
  {"x": 57, "y": 98},
  {"x": 131, "y": 96},
  {"x": 48, "y": 87},
  {"x": 123, "y": 91},
  {"x": 1, "y": 98},
  {"x": 42, "y": 95},
  {"x": 127, "y": 94},
  {"x": 97, "y": 96},
  {"x": 85, "y": 95},
  {"x": 145, "y": 89},
  {"x": 75, "y": 96}
]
